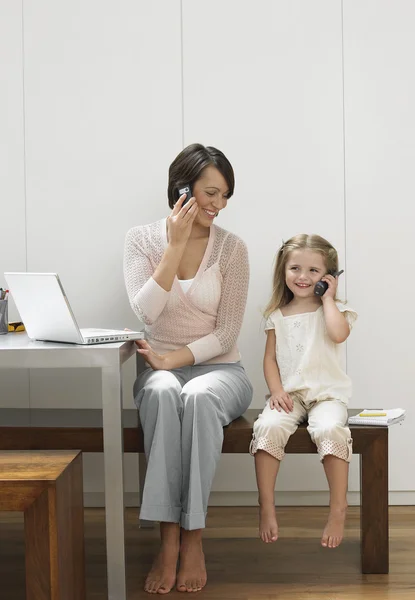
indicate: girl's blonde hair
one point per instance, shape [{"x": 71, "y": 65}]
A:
[{"x": 281, "y": 294}]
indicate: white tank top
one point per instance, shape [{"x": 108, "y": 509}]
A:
[{"x": 185, "y": 284}]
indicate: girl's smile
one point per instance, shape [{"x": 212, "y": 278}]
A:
[{"x": 304, "y": 268}]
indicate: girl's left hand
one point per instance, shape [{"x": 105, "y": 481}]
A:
[
  {"x": 330, "y": 293},
  {"x": 156, "y": 361}
]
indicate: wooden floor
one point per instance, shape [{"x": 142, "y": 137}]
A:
[{"x": 240, "y": 567}]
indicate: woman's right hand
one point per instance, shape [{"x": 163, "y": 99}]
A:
[
  {"x": 280, "y": 400},
  {"x": 179, "y": 223}
]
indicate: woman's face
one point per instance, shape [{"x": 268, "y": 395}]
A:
[{"x": 211, "y": 193}]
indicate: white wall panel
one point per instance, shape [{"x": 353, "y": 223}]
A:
[
  {"x": 379, "y": 47},
  {"x": 99, "y": 107},
  {"x": 103, "y": 121},
  {"x": 263, "y": 82},
  {"x": 14, "y": 385}
]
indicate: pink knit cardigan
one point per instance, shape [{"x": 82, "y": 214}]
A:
[{"x": 208, "y": 317}]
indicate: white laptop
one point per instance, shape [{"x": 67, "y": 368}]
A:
[{"x": 47, "y": 315}]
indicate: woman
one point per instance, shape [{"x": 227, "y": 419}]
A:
[{"x": 187, "y": 280}]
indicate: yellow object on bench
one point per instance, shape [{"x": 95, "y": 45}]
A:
[
  {"x": 16, "y": 326},
  {"x": 373, "y": 414}
]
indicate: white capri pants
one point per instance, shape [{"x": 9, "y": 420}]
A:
[{"x": 327, "y": 426}]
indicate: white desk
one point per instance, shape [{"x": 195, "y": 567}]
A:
[{"x": 18, "y": 352}]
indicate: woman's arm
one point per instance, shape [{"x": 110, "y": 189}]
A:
[
  {"x": 147, "y": 298},
  {"x": 148, "y": 289},
  {"x": 172, "y": 360},
  {"x": 179, "y": 227},
  {"x": 228, "y": 323},
  {"x": 231, "y": 308}
]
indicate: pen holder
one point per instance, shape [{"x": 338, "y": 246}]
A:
[{"x": 4, "y": 317}]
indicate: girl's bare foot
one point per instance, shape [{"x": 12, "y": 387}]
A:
[
  {"x": 192, "y": 575},
  {"x": 334, "y": 529},
  {"x": 268, "y": 526},
  {"x": 162, "y": 576}
]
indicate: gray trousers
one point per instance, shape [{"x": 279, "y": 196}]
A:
[{"x": 182, "y": 413}]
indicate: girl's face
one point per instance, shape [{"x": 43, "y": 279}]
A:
[
  {"x": 211, "y": 193},
  {"x": 303, "y": 269}
]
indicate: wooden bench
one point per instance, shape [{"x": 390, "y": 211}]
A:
[
  {"x": 47, "y": 487},
  {"x": 68, "y": 429}
]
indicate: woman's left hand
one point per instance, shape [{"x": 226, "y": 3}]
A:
[
  {"x": 330, "y": 293},
  {"x": 156, "y": 361}
]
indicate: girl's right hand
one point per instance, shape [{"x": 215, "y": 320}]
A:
[
  {"x": 281, "y": 400},
  {"x": 180, "y": 222}
]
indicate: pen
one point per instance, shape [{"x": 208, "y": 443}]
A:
[{"x": 372, "y": 414}]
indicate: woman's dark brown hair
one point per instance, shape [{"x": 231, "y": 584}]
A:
[{"x": 187, "y": 167}]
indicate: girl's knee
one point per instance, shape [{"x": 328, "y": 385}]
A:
[
  {"x": 269, "y": 445},
  {"x": 275, "y": 423},
  {"x": 269, "y": 435},
  {"x": 342, "y": 450},
  {"x": 332, "y": 439},
  {"x": 328, "y": 429}
]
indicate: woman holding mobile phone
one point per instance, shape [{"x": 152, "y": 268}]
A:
[{"x": 187, "y": 280}]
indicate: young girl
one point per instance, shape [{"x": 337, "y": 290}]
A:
[{"x": 303, "y": 373}]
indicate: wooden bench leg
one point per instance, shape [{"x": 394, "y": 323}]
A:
[
  {"x": 54, "y": 533},
  {"x": 142, "y": 470},
  {"x": 375, "y": 505}
]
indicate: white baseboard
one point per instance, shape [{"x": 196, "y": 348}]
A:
[{"x": 401, "y": 498}]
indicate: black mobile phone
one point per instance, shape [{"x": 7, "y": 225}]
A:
[
  {"x": 184, "y": 189},
  {"x": 321, "y": 286}
]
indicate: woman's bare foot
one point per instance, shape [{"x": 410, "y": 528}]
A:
[
  {"x": 334, "y": 529},
  {"x": 268, "y": 526},
  {"x": 162, "y": 576},
  {"x": 192, "y": 575}
]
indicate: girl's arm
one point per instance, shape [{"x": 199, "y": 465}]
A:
[
  {"x": 337, "y": 326},
  {"x": 271, "y": 370},
  {"x": 279, "y": 397}
]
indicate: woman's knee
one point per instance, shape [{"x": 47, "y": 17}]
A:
[
  {"x": 203, "y": 411},
  {"x": 159, "y": 388},
  {"x": 205, "y": 399}
]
